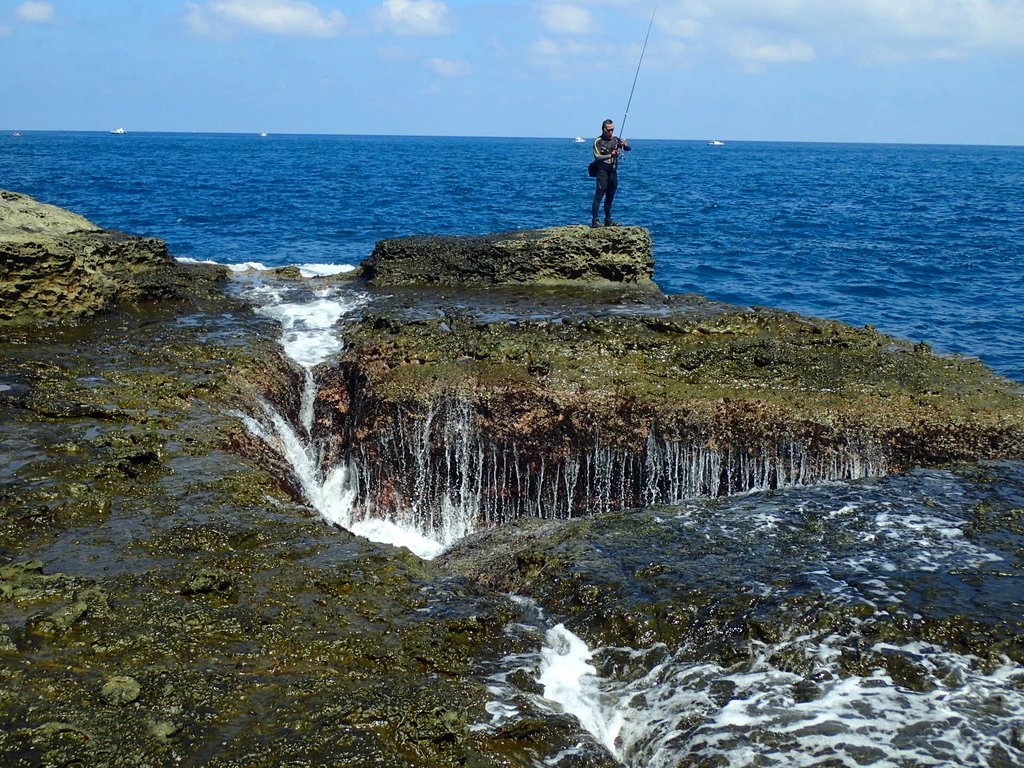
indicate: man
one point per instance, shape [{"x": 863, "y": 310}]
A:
[{"x": 606, "y": 155}]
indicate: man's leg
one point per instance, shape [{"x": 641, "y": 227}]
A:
[
  {"x": 602, "y": 180},
  {"x": 609, "y": 197}
]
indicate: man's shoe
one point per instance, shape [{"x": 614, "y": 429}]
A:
[
  {"x": 595, "y": 223},
  {"x": 610, "y": 223}
]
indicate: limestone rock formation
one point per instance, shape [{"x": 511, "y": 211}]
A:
[
  {"x": 533, "y": 400},
  {"x": 612, "y": 255},
  {"x": 56, "y": 266}
]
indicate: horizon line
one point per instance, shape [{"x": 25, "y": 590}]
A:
[{"x": 268, "y": 134}]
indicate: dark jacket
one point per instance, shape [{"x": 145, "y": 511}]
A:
[{"x": 603, "y": 150}]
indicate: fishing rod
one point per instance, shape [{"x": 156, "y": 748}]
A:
[{"x": 622, "y": 125}]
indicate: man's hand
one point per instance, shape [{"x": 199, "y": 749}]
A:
[{"x": 615, "y": 153}]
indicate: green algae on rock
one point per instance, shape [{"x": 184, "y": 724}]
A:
[
  {"x": 610, "y": 255},
  {"x": 164, "y": 601},
  {"x": 167, "y": 598},
  {"x": 646, "y": 402}
]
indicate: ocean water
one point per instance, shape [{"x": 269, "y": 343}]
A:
[
  {"x": 924, "y": 242},
  {"x": 854, "y": 577}
]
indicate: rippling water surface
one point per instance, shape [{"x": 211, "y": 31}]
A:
[
  {"x": 841, "y": 623},
  {"x": 925, "y": 242}
]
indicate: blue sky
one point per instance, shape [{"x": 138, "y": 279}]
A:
[{"x": 919, "y": 71}]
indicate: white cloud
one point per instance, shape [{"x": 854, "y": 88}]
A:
[
  {"x": 565, "y": 18},
  {"x": 395, "y": 53},
  {"x": 870, "y": 28},
  {"x": 35, "y": 12},
  {"x": 295, "y": 18},
  {"x": 969, "y": 24},
  {"x": 773, "y": 53},
  {"x": 448, "y": 68},
  {"x": 413, "y": 17},
  {"x": 562, "y": 57},
  {"x": 547, "y": 47}
]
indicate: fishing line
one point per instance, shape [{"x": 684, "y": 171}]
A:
[{"x": 622, "y": 125}]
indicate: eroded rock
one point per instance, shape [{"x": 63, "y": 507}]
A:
[
  {"x": 56, "y": 266},
  {"x": 608, "y": 255},
  {"x": 638, "y": 404}
]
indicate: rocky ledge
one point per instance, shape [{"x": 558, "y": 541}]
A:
[
  {"x": 608, "y": 256},
  {"x": 166, "y": 599},
  {"x": 556, "y": 400},
  {"x": 56, "y": 266}
]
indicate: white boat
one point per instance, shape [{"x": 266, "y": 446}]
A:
[
  {"x": 16, "y": 133},
  {"x": 263, "y": 134},
  {"x": 716, "y": 143},
  {"x": 119, "y": 131},
  {"x": 580, "y": 140}
]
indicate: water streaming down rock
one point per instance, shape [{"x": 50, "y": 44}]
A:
[
  {"x": 438, "y": 472},
  {"x": 442, "y": 472},
  {"x": 312, "y": 333},
  {"x": 308, "y": 337},
  {"x": 455, "y": 408}
]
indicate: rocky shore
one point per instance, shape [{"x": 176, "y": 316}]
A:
[
  {"x": 59, "y": 267},
  {"x": 554, "y": 400},
  {"x": 167, "y": 599}
]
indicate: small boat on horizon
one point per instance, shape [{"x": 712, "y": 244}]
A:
[
  {"x": 716, "y": 143},
  {"x": 16, "y": 133},
  {"x": 119, "y": 131},
  {"x": 580, "y": 140},
  {"x": 263, "y": 134}
]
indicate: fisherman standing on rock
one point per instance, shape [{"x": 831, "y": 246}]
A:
[{"x": 606, "y": 169}]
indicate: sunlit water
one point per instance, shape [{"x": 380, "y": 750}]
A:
[
  {"x": 923, "y": 242},
  {"x": 902, "y": 552}
]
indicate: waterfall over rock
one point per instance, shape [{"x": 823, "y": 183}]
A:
[{"x": 523, "y": 392}]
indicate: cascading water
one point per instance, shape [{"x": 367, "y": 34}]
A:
[
  {"x": 310, "y": 335},
  {"x": 441, "y": 460},
  {"x": 757, "y": 713},
  {"x": 438, "y": 472},
  {"x": 790, "y": 702}
]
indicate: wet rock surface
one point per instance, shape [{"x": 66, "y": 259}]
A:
[
  {"x": 167, "y": 598},
  {"x": 717, "y": 576},
  {"x": 567, "y": 402},
  {"x": 165, "y": 601},
  {"x": 580, "y": 255},
  {"x": 56, "y": 266}
]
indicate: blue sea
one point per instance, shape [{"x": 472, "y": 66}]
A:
[{"x": 923, "y": 242}]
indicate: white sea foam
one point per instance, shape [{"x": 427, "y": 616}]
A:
[
  {"x": 244, "y": 266},
  {"x": 187, "y": 260},
  {"x": 248, "y": 266},
  {"x": 306, "y": 270},
  {"x": 311, "y": 334},
  {"x": 387, "y": 532},
  {"x": 324, "y": 270},
  {"x": 570, "y": 680},
  {"x": 758, "y": 714}
]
